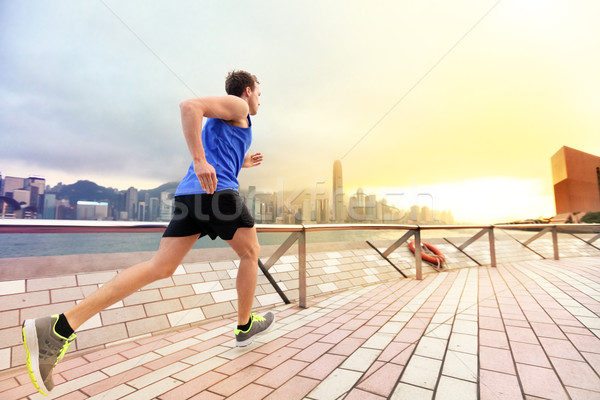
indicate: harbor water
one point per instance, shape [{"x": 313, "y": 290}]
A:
[{"x": 53, "y": 244}]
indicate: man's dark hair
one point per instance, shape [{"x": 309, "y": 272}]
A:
[{"x": 237, "y": 81}]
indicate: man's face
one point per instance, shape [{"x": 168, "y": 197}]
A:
[{"x": 254, "y": 100}]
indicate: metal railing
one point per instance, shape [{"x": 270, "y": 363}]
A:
[{"x": 298, "y": 233}]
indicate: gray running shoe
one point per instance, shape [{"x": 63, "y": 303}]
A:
[
  {"x": 258, "y": 326},
  {"x": 44, "y": 349}
]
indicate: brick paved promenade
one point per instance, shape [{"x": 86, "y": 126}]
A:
[{"x": 527, "y": 329}]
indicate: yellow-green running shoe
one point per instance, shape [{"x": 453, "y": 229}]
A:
[
  {"x": 258, "y": 326},
  {"x": 44, "y": 349}
]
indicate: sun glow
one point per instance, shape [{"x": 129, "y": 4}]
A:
[{"x": 485, "y": 200}]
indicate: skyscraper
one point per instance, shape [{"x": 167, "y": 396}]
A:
[
  {"x": 322, "y": 211},
  {"x": 356, "y": 206},
  {"x": 154, "y": 208},
  {"x": 37, "y": 187},
  {"x": 49, "y": 206},
  {"x": 142, "y": 211},
  {"x": 251, "y": 199},
  {"x": 167, "y": 204},
  {"x": 306, "y": 211},
  {"x": 338, "y": 192},
  {"x": 132, "y": 203},
  {"x": 11, "y": 184}
]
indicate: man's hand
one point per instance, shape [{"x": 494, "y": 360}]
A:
[
  {"x": 206, "y": 175},
  {"x": 252, "y": 160}
]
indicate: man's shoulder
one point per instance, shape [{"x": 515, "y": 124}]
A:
[{"x": 227, "y": 107}]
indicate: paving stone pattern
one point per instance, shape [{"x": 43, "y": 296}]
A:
[
  {"x": 526, "y": 329},
  {"x": 197, "y": 292}
]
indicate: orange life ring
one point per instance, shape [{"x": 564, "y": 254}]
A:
[{"x": 437, "y": 258}]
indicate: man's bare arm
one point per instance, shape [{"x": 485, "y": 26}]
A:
[{"x": 228, "y": 108}]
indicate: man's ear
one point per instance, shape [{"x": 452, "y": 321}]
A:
[{"x": 248, "y": 91}]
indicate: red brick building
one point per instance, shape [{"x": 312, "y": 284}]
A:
[{"x": 576, "y": 180}]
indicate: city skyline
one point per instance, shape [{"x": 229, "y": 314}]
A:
[
  {"x": 463, "y": 100},
  {"x": 324, "y": 202},
  {"x": 317, "y": 204},
  {"x": 484, "y": 200}
]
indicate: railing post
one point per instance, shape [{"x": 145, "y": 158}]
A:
[
  {"x": 492, "y": 247},
  {"x": 418, "y": 260},
  {"x": 555, "y": 242},
  {"x": 302, "y": 268}
]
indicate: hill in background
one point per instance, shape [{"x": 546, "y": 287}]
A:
[{"x": 89, "y": 191}]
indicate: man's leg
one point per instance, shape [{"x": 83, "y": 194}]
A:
[
  {"x": 169, "y": 255},
  {"x": 245, "y": 244},
  {"x": 45, "y": 345}
]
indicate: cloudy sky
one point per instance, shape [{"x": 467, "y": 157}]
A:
[{"x": 463, "y": 100}]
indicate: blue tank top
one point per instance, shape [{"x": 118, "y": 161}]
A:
[{"x": 225, "y": 147}]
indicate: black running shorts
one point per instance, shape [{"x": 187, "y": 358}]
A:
[{"x": 219, "y": 214}]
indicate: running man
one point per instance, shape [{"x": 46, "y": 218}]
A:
[{"x": 207, "y": 202}]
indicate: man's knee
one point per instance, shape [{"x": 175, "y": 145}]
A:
[
  {"x": 251, "y": 252},
  {"x": 163, "y": 269},
  {"x": 245, "y": 243},
  {"x": 170, "y": 254}
]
